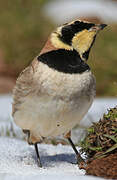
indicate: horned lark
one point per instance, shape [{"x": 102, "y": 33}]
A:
[{"x": 56, "y": 90}]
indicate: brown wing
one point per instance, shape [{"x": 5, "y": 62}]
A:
[
  {"x": 24, "y": 83},
  {"x": 24, "y": 86}
]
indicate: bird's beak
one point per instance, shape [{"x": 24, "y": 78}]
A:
[
  {"x": 102, "y": 26},
  {"x": 98, "y": 27}
]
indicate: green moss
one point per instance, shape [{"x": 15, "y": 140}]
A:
[
  {"x": 101, "y": 136},
  {"x": 112, "y": 114}
]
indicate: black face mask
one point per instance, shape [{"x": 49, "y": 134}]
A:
[{"x": 69, "y": 31}]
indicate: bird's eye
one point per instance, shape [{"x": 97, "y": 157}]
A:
[{"x": 93, "y": 28}]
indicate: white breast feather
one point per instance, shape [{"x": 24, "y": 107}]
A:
[{"x": 58, "y": 103}]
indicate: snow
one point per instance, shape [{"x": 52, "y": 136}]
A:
[
  {"x": 106, "y": 10},
  {"x": 18, "y": 161},
  {"x": 49, "y": 177},
  {"x": 98, "y": 108},
  {"x": 5, "y": 106}
]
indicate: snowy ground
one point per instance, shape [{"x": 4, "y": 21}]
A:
[{"x": 18, "y": 159}]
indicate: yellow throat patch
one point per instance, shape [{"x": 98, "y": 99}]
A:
[{"x": 83, "y": 40}]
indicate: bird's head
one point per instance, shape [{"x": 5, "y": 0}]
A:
[{"x": 78, "y": 35}]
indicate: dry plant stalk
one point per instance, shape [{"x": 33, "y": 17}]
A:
[{"x": 100, "y": 146}]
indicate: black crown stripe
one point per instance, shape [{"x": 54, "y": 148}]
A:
[{"x": 69, "y": 31}]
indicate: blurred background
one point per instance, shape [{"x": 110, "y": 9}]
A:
[{"x": 24, "y": 28}]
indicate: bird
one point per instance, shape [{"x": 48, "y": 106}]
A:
[{"x": 53, "y": 94}]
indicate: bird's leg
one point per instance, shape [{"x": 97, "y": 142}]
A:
[
  {"x": 37, "y": 153},
  {"x": 68, "y": 135},
  {"x": 79, "y": 158},
  {"x": 27, "y": 132},
  {"x": 35, "y": 144},
  {"x": 28, "y": 138}
]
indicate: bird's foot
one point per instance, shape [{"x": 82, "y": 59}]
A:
[{"x": 80, "y": 160}]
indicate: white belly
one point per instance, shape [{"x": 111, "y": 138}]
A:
[
  {"x": 51, "y": 117},
  {"x": 60, "y": 104}
]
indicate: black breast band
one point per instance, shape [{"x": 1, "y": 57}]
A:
[{"x": 66, "y": 61}]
